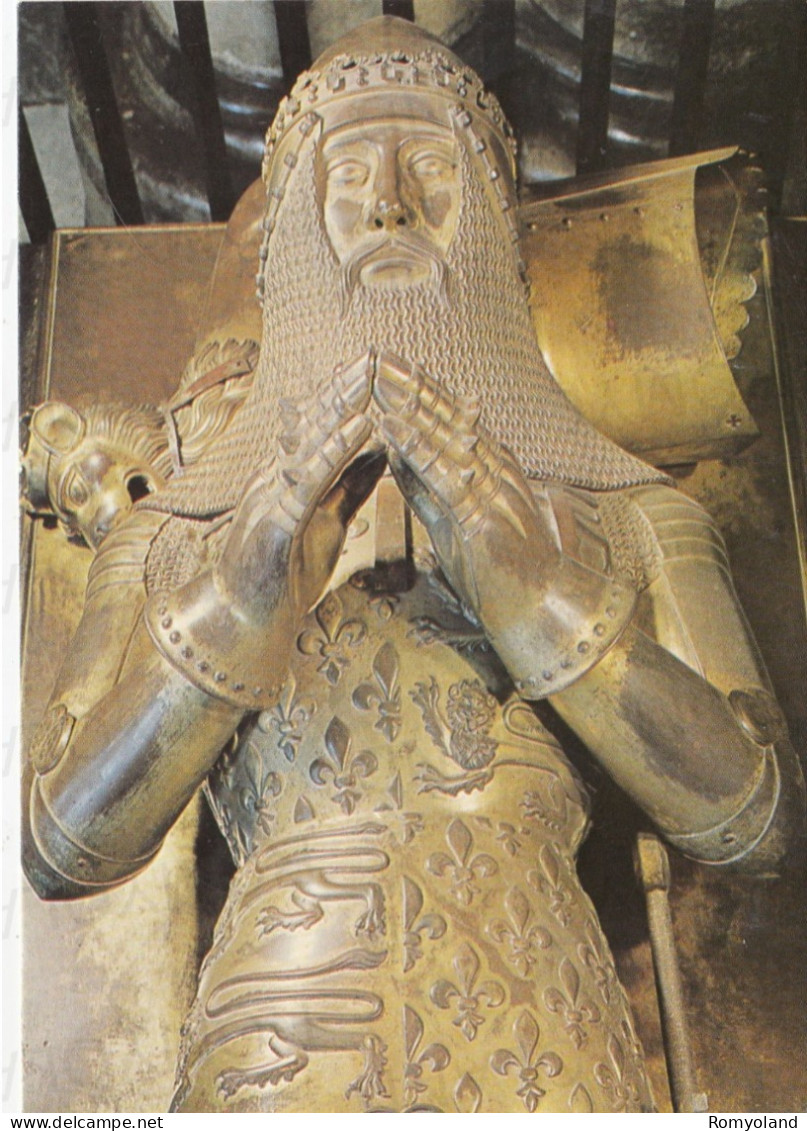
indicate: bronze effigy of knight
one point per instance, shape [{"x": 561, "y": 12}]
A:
[{"x": 360, "y": 558}]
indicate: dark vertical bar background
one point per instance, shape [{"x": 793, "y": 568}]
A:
[
  {"x": 498, "y": 26},
  {"x": 789, "y": 239},
  {"x": 195, "y": 44},
  {"x": 84, "y": 28},
  {"x": 691, "y": 76},
  {"x": 785, "y": 156},
  {"x": 405, "y": 9},
  {"x": 595, "y": 84},
  {"x": 292, "y": 38},
  {"x": 34, "y": 203}
]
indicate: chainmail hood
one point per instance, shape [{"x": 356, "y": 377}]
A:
[{"x": 477, "y": 338}]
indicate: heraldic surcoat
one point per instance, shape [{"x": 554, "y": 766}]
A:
[{"x": 406, "y": 931}]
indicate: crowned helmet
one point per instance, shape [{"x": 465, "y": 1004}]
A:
[
  {"x": 389, "y": 66},
  {"x": 475, "y": 334}
]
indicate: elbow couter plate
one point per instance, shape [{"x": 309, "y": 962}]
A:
[
  {"x": 581, "y": 618},
  {"x": 202, "y": 636}
]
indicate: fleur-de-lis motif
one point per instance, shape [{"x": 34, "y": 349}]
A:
[
  {"x": 383, "y": 692},
  {"x": 530, "y": 1063},
  {"x": 546, "y": 804},
  {"x": 385, "y": 606},
  {"x": 434, "y": 1056},
  {"x": 521, "y": 937},
  {"x": 594, "y": 955},
  {"x": 262, "y": 787},
  {"x": 549, "y": 882},
  {"x": 622, "y": 1093},
  {"x": 632, "y": 1042},
  {"x": 395, "y": 789},
  {"x": 335, "y": 637},
  {"x": 406, "y": 825},
  {"x": 510, "y": 838},
  {"x": 470, "y": 997},
  {"x": 288, "y": 719},
  {"x": 467, "y": 1095},
  {"x": 344, "y": 768},
  {"x": 434, "y": 925},
  {"x": 463, "y": 867},
  {"x": 303, "y": 810},
  {"x": 575, "y": 1013},
  {"x": 409, "y": 825},
  {"x": 580, "y": 1100},
  {"x": 225, "y": 767}
]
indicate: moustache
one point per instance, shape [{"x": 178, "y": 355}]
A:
[{"x": 413, "y": 246}]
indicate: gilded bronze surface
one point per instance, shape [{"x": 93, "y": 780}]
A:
[
  {"x": 622, "y": 287},
  {"x": 378, "y": 545},
  {"x": 696, "y": 225}
]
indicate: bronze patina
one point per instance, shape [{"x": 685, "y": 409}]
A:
[{"x": 406, "y": 930}]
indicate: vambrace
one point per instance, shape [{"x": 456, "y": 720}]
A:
[
  {"x": 770, "y": 824},
  {"x": 108, "y": 787},
  {"x": 715, "y": 773}
]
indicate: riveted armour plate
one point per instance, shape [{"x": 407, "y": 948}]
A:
[{"x": 406, "y": 930}]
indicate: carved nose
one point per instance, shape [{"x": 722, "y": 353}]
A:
[{"x": 390, "y": 213}]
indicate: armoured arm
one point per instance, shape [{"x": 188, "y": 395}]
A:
[
  {"x": 100, "y": 813},
  {"x": 112, "y": 611},
  {"x": 689, "y": 650},
  {"x": 111, "y": 783},
  {"x": 715, "y": 773},
  {"x": 713, "y": 770}
]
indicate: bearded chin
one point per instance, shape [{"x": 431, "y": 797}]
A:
[
  {"x": 429, "y": 261},
  {"x": 466, "y": 317},
  {"x": 467, "y": 325}
]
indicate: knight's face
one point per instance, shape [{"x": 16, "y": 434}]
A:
[{"x": 390, "y": 194}]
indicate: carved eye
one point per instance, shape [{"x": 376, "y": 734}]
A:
[
  {"x": 431, "y": 166},
  {"x": 348, "y": 174},
  {"x": 76, "y": 492}
]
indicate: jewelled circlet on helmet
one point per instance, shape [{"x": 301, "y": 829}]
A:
[{"x": 424, "y": 83}]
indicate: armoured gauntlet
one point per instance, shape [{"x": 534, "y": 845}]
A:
[
  {"x": 229, "y": 631},
  {"x": 561, "y": 620},
  {"x": 550, "y": 615}
]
